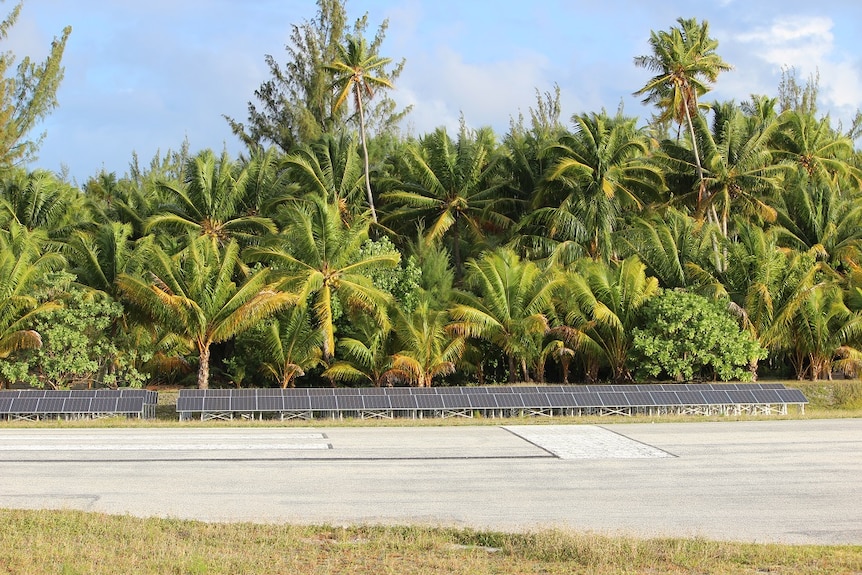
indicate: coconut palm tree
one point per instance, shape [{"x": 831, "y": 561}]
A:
[
  {"x": 600, "y": 172},
  {"x": 22, "y": 268},
  {"x": 194, "y": 295},
  {"x": 508, "y": 306},
  {"x": 367, "y": 357},
  {"x": 358, "y": 71},
  {"x": 211, "y": 201},
  {"x": 291, "y": 345},
  {"x": 428, "y": 347},
  {"x": 318, "y": 256},
  {"x": 600, "y": 302},
  {"x": 685, "y": 64},
  {"x": 453, "y": 188}
]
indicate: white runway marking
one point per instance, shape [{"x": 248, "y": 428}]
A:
[
  {"x": 585, "y": 442},
  {"x": 169, "y": 447}
]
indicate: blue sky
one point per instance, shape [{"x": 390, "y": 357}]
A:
[{"x": 144, "y": 76}]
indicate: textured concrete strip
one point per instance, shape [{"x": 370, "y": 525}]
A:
[{"x": 585, "y": 442}]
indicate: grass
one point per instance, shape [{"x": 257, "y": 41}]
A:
[{"x": 73, "y": 542}]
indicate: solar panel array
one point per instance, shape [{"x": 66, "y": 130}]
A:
[
  {"x": 490, "y": 401},
  {"x": 77, "y": 403}
]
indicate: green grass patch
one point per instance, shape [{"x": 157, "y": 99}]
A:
[{"x": 76, "y": 542}]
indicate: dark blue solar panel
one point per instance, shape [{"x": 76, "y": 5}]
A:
[
  {"x": 483, "y": 400},
  {"x": 349, "y": 402},
  {"x": 50, "y": 405},
  {"x": 537, "y": 400},
  {"x": 740, "y": 396},
  {"x": 613, "y": 399},
  {"x": 455, "y": 401},
  {"x": 510, "y": 400},
  {"x": 560, "y": 399},
  {"x": 792, "y": 396},
  {"x": 217, "y": 402},
  {"x": 691, "y": 397},
  {"x": 189, "y": 403},
  {"x": 428, "y": 401},
  {"x": 403, "y": 401},
  {"x": 77, "y": 405},
  {"x": 640, "y": 399},
  {"x": 587, "y": 400},
  {"x": 716, "y": 397},
  {"x": 665, "y": 398},
  {"x": 287, "y": 403},
  {"x": 323, "y": 402},
  {"x": 23, "y": 404},
  {"x": 766, "y": 395},
  {"x": 130, "y": 405},
  {"x": 104, "y": 405},
  {"x": 5, "y": 404},
  {"x": 376, "y": 401},
  {"x": 243, "y": 402}
]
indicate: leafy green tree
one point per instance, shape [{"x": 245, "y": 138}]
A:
[
  {"x": 296, "y": 105},
  {"x": 78, "y": 346},
  {"x": 357, "y": 72},
  {"x": 194, "y": 295},
  {"x": 686, "y": 336},
  {"x": 28, "y": 93},
  {"x": 685, "y": 63},
  {"x": 508, "y": 306},
  {"x": 39, "y": 199}
]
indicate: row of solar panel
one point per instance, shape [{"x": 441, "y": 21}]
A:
[
  {"x": 505, "y": 400},
  {"x": 71, "y": 405},
  {"x": 341, "y": 391},
  {"x": 151, "y": 397}
]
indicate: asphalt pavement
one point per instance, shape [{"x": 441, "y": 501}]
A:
[{"x": 762, "y": 481}]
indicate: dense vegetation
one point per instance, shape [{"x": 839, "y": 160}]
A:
[{"x": 712, "y": 240}]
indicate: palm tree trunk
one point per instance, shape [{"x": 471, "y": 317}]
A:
[
  {"x": 365, "y": 153},
  {"x": 204, "y": 366},
  {"x": 700, "y": 187}
]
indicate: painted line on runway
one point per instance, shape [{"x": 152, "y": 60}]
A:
[
  {"x": 585, "y": 442},
  {"x": 168, "y": 447}
]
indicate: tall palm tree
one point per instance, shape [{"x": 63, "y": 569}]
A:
[
  {"x": 317, "y": 255},
  {"x": 509, "y": 306},
  {"x": 358, "y": 72},
  {"x": 194, "y": 295},
  {"x": 601, "y": 171},
  {"x": 813, "y": 147},
  {"x": 211, "y": 201},
  {"x": 366, "y": 357},
  {"x": 685, "y": 64},
  {"x": 453, "y": 188}
]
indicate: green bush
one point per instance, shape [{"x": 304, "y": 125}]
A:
[{"x": 686, "y": 336}]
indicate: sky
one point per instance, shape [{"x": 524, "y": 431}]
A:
[{"x": 144, "y": 76}]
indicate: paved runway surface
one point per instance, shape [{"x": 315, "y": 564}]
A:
[{"x": 786, "y": 481}]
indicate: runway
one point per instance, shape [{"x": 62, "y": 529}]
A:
[{"x": 763, "y": 481}]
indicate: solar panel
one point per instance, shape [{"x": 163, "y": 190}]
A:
[
  {"x": 691, "y": 397},
  {"x": 189, "y": 403},
  {"x": 77, "y": 404},
  {"x": 510, "y": 400},
  {"x": 403, "y": 401},
  {"x": 104, "y": 405},
  {"x": 323, "y": 402},
  {"x": 536, "y": 400},
  {"x": 613, "y": 399},
  {"x": 349, "y": 402},
  {"x": 714, "y": 397},
  {"x": 665, "y": 398},
  {"x": 376, "y": 401},
  {"x": 5, "y": 404},
  {"x": 130, "y": 404},
  {"x": 586, "y": 400},
  {"x": 559, "y": 399},
  {"x": 483, "y": 400},
  {"x": 740, "y": 396},
  {"x": 23, "y": 404},
  {"x": 455, "y": 401},
  {"x": 243, "y": 402},
  {"x": 640, "y": 399},
  {"x": 766, "y": 395},
  {"x": 428, "y": 401},
  {"x": 217, "y": 402},
  {"x": 50, "y": 405},
  {"x": 792, "y": 396},
  {"x": 287, "y": 403}
]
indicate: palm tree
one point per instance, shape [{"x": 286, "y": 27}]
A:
[
  {"x": 329, "y": 168},
  {"x": 508, "y": 307},
  {"x": 686, "y": 64},
  {"x": 601, "y": 171},
  {"x": 453, "y": 189},
  {"x": 211, "y": 201},
  {"x": 367, "y": 357},
  {"x": 22, "y": 268},
  {"x": 317, "y": 255},
  {"x": 194, "y": 295},
  {"x": 600, "y": 303},
  {"x": 358, "y": 72},
  {"x": 428, "y": 348},
  {"x": 39, "y": 200},
  {"x": 813, "y": 147},
  {"x": 291, "y": 345}
]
